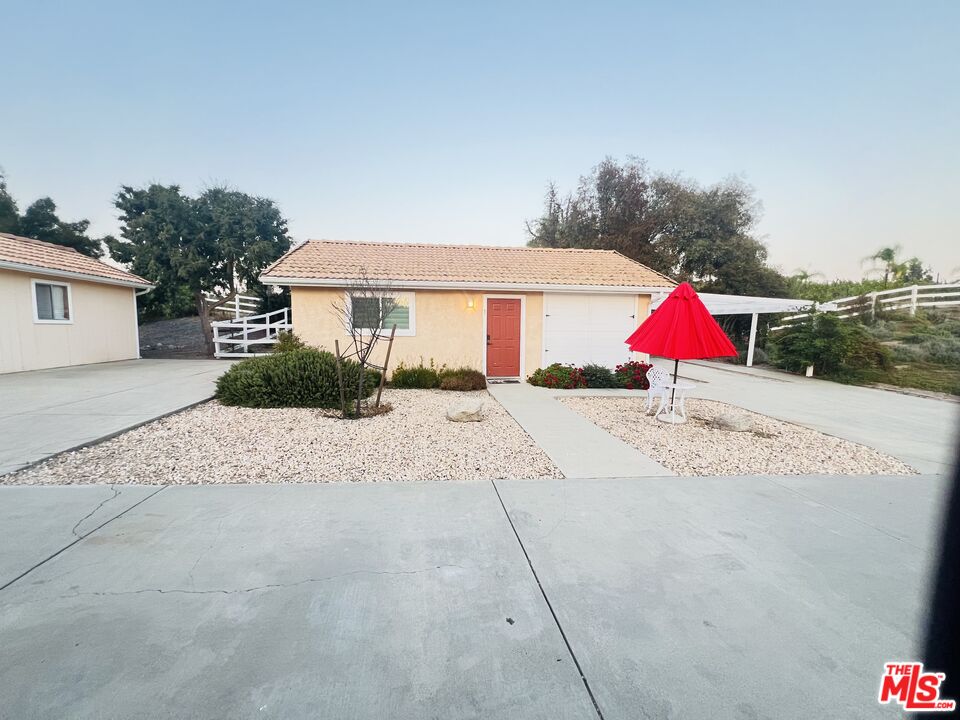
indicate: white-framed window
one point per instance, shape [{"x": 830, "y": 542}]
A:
[
  {"x": 52, "y": 302},
  {"x": 367, "y": 311}
]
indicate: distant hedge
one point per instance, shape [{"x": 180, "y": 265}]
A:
[
  {"x": 462, "y": 378},
  {"x": 841, "y": 349},
  {"x": 303, "y": 377},
  {"x": 420, "y": 376}
]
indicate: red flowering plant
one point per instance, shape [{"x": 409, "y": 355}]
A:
[
  {"x": 557, "y": 376},
  {"x": 632, "y": 375}
]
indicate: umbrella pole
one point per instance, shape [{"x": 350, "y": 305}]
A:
[{"x": 673, "y": 391}]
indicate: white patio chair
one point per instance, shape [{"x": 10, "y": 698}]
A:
[{"x": 658, "y": 380}]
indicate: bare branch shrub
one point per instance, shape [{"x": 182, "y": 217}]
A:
[{"x": 363, "y": 311}]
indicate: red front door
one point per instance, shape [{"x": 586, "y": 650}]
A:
[{"x": 503, "y": 337}]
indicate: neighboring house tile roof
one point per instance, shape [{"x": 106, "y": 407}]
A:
[
  {"x": 29, "y": 255},
  {"x": 323, "y": 262}
]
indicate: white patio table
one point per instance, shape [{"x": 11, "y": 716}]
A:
[{"x": 672, "y": 408}]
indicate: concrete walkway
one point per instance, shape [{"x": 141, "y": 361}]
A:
[
  {"x": 579, "y": 448},
  {"x": 713, "y": 598},
  {"x": 45, "y": 412}
]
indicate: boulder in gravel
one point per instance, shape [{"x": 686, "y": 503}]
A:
[
  {"x": 465, "y": 411},
  {"x": 734, "y": 422}
]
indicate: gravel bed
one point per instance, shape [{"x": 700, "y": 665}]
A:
[
  {"x": 212, "y": 443},
  {"x": 696, "y": 448}
]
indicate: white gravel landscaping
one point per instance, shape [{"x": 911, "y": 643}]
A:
[
  {"x": 212, "y": 443},
  {"x": 697, "y": 448}
]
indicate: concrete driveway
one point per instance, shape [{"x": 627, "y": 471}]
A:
[
  {"x": 45, "y": 412},
  {"x": 659, "y": 598}
]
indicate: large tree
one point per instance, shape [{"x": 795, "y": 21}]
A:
[
  {"x": 701, "y": 234},
  {"x": 708, "y": 234},
  {"x": 248, "y": 233},
  {"x": 9, "y": 212},
  {"x": 218, "y": 242},
  {"x": 161, "y": 242},
  {"x": 40, "y": 221}
]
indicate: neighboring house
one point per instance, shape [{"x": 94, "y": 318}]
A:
[
  {"x": 59, "y": 307},
  {"x": 503, "y": 310}
]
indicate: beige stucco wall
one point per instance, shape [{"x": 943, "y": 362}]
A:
[
  {"x": 103, "y": 327},
  {"x": 447, "y": 330}
]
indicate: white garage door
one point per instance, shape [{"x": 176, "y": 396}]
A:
[{"x": 581, "y": 329}]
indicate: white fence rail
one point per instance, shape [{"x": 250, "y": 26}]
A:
[
  {"x": 238, "y": 306},
  {"x": 906, "y": 298},
  {"x": 248, "y": 336}
]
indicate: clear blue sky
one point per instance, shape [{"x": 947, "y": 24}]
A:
[{"x": 443, "y": 122}]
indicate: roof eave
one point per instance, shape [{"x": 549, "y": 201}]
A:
[
  {"x": 464, "y": 285},
  {"x": 40, "y": 270}
]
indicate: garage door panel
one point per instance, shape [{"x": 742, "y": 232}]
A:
[
  {"x": 566, "y": 311},
  {"x": 611, "y": 317},
  {"x": 581, "y": 329}
]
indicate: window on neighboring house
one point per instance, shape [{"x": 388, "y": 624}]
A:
[
  {"x": 397, "y": 308},
  {"x": 51, "y": 302}
]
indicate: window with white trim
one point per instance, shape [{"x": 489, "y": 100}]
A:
[
  {"x": 368, "y": 313},
  {"x": 51, "y": 302}
]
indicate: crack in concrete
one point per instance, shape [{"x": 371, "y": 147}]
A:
[
  {"x": 546, "y": 599},
  {"x": 563, "y": 512},
  {"x": 90, "y": 514},
  {"x": 79, "y": 538},
  {"x": 845, "y": 513},
  {"x": 204, "y": 552},
  {"x": 259, "y": 588}
]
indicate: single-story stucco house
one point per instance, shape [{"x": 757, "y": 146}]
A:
[
  {"x": 503, "y": 310},
  {"x": 59, "y": 307}
]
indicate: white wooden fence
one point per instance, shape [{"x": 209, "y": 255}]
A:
[
  {"x": 906, "y": 298},
  {"x": 238, "y": 306},
  {"x": 248, "y": 336}
]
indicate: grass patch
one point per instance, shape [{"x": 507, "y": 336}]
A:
[{"x": 926, "y": 376}]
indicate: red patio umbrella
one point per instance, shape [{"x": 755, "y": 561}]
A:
[{"x": 681, "y": 329}]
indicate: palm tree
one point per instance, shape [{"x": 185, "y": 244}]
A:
[
  {"x": 888, "y": 260},
  {"x": 802, "y": 276}
]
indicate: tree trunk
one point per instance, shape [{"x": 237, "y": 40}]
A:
[
  {"x": 204, "y": 314},
  {"x": 343, "y": 401},
  {"x": 386, "y": 363},
  {"x": 360, "y": 388}
]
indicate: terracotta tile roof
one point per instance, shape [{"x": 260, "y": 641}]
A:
[
  {"x": 327, "y": 260},
  {"x": 41, "y": 255}
]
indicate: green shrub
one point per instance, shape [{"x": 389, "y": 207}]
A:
[
  {"x": 598, "y": 376},
  {"x": 836, "y": 348},
  {"x": 418, "y": 377},
  {"x": 759, "y": 357},
  {"x": 632, "y": 375},
  {"x": 940, "y": 350},
  {"x": 303, "y": 377},
  {"x": 884, "y": 330},
  {"x": 462, "y": 378},
  {"x": 287, "y": 341},
  {"x": 950, "y": 327},
  {"x": 566, "y": 377},
  {"x": 906, "y": 353}
]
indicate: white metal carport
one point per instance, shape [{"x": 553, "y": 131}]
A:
[{"x": 749, "y": 305}]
